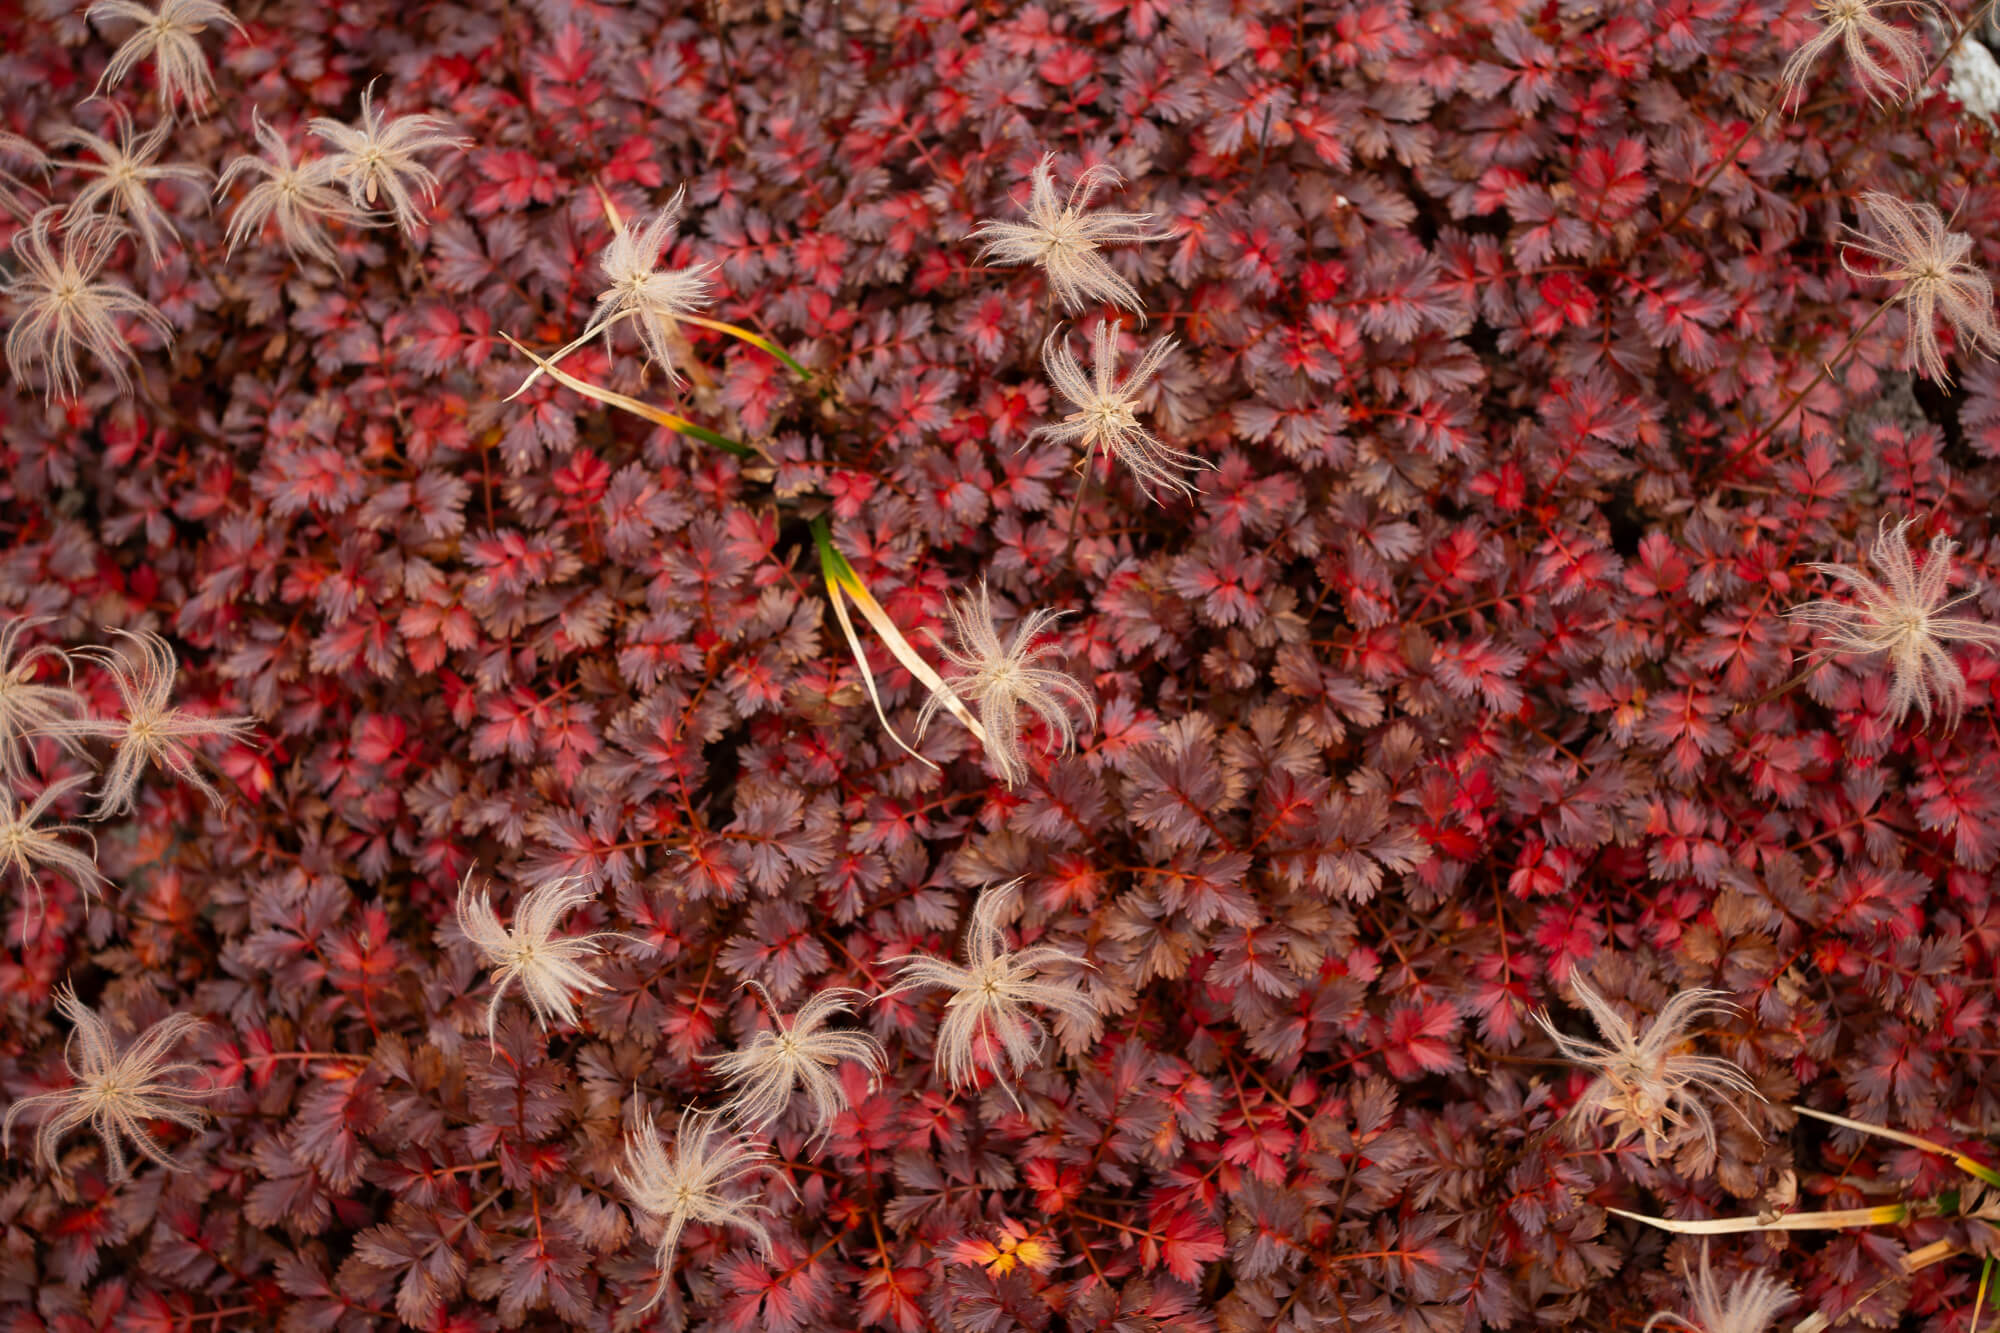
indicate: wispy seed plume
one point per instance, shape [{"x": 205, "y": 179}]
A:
[
  {"x": 1747, "y": 1305},
  {"x": 1910, "y": 244},
  {"x": 1900, "y": 619},
  {"x": 123, "y": 177},
  {"x": 1106, "y": 418},
  {"x": 549, "y": 968},
  {"x": 1065, "y": 238},
  {"x": 990, "y": 995},
  {"x": 65, "y": 308},
  {"x": 171, "y": 34},
  {"x": 1887, "y": 59},
  {"x": 801, "y": 1052},
  {"x": 376, "y": 158},
  {"x": 119, "y": 1092},
  {"x": 30, "y": 709},
  {"x": 1648, "y": 1084},
  {"x": 153, "y": 733},
  {"x": 1005, "y": 680},
  {"x": 688, "y": 1184},
  {"x": 298, "y": 197}
]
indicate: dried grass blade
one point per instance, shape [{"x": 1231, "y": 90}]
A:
[
  {"x": 834, "y": 583},
  {"x": 1838, "y": 1219},
  {"x": 756, "y": 340},
  {"x": 878, "y": 620},
  {"x": 1977, "y": 1170},
  {"x": 1915, "y": 1261},
  {"x": 646, "y": 411}
]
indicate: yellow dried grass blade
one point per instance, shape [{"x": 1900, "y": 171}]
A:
[
  {"x": 610, "y": 209},
  {"x": 1934, "y": 1253},
  {"x": 878, "y": 620},
  {"x": 756, "y": 340},
  {"x": 548, "y": 367},
  {"x": 1838, "y": 1219},
  {"x": 1977, "y": 1170},
  {"x": 646, "y": 411},
  {"x": 833, "y": 595},
  {"x": 1915, "y": 1261},
  {"x": 1979, "y": 1301}
]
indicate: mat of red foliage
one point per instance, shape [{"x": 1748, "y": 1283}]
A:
[{"x": 1530, "y": 393}]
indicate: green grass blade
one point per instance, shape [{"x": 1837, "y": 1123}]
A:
[{"x": 756, "y": 340}]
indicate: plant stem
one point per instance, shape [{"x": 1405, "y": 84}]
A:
[
  {"x": 1701, "y": 186},
  {"x": 1819, "y": 377},
  {"x": 1082, "y": 494},
  {"x": 1972, "y": 20}
]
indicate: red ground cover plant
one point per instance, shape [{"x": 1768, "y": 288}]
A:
[{"x": 1537, "y": 360}]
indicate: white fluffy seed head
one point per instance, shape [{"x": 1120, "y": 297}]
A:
[
  {"x": 63, "y": 307},
  {"x": 28, "y": 845},
  {"x": 1064, "y": 238},
  {"x": 800, "y": 1052},
  {"x": 1898, "y": 618},
  {"x": 643, "y": 292},
  {"x": 153, "y": 733},
  {"x": 171, "y": 34},
  {"x": 29, "y": 708},
  {"x": 687, "y": 1184},
  {"x": 1647, "y": 1083},
  {"x": 1911, "y": 244},
  {"x": 987, "y": 1017},
  {"x": 1005, "y": 682},
  {"x": 376, "y": 158},
  {"x": 119, "y": 1092},
  {"x": 123, "y": 176},
  {"x": 1748, "y": 1305},
  {"x": 550, "y": 969},
  {"x": 297, "y": 197},
  {"x": 1106, "y": 419}
]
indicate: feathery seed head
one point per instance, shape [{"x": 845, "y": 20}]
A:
[
  {"x": 1647, "y": 1084},
  {"x": 25, "y": 845},
  {"x": 1107, "y": 410},
  {"x": 1001, "y": 680},
  {"x": 686, "y": 1185},
  {"x": 1857, "y": 26},
  {"x": 1911, "y": 244},
  {"x": 1899, "y": 618},
  {"x": 1749, "y": 1305},
  {"x": 378, "y": 158},
  {"x": 125, "y": 174},
  {"x": 987, "y": 1008},
  {"x": 118, "y": 1093},
  {"x": 172, "y": 35},
  {"x": 19, "y": 199},
  {"x": 1063, "y": 237},
  {"x": 298, "y": 196},
  {"x": 801, "y": 1051},
  {"x": 64, "y": 308},
  {"x": 640, "y": 290},
  {"x": 549, "y": 968},
  {"x": 29, "y": 711},
  {"x": 154, "y": 731}
]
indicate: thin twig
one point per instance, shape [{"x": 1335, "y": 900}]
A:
[{"x": 1820, "y": 376}]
